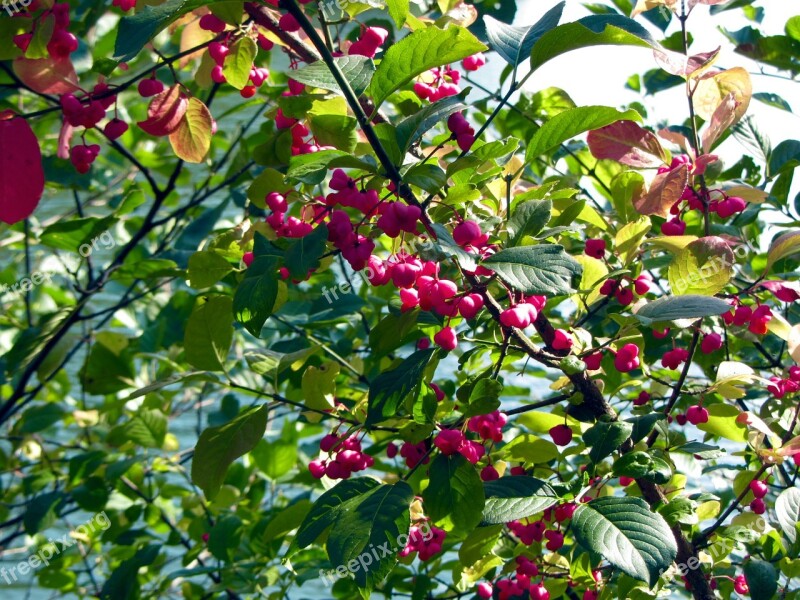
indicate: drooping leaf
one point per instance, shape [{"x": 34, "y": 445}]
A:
[
  {"x": 413, "y": 127},
  {"x": 787, "y": 509},
  {"x": 374, "y": 520},
  {"x": 166, "y": 111},
  {"x": 206, "y": 268},
  {"x": 628, "y": 143},
  {"x": 665, "y": 190},
  {"x": 543, "y": 269},
  {"x": 454, "y": 496},
  {"x": 713, "y": 88},
  {"x": 514, "y": 44},
  {"x": 47, "y": 75},
  {"x": 209, "y": 333},
  {"x": 218, "y": 447},
  {"x": 191, "y": 141},
  {"x": 389, "y": 388},
  {"x": 357, "y": 71},
  {"x": 626, "y": 533},
  {"x": 21, "y": 172},
  {"x": 604, "y": 438},
  {"x": 239, "y": 61},
  {"x": 398, "y": 10},
  {"x": 517, "y": 497},
  {"x": 529, "y": 218},
  {"x": 704, "y": 267},
  {"x": 325, "y": 509},
  {"x": 595, "y": 30},
  {"x": 569, "y": 123},
  {"x": 783, "y": 246},
  {"x": 304, "y": 254},
  {"x": 256, "y": 295},
  {"x": 721, "y": 120},
  {"x": 762, "y": 579},
  {"x": 690, "y": 306},
  {"x": 424, "y": 49}
]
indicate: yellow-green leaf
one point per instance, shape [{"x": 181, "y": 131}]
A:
[
  {"x": 703, "y": 267},
  {"x": 191, "y": 141}
]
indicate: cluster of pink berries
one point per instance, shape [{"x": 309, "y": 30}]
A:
[
  {"x": 523, "y": 313},
  {"x": 219, "y": 50},
  {"x": 412, "y": 453},
  {"x": 515, "y": 587},
  {"x": 283, "y": 225},
  {"x": 345, "y": 457},
  {"x": 303, "y": 142},
  {"x": 622, "y": 289},
  {"x": 759, "y": 489},
  {"x": 443, "y": 84},
  {"x": 426, "y": 546},
  {"x": 87, "y": 113},
  {"x": 462, "y": 131},
  {"x": 672, "y": 359},
  {"x": 755, "y": 319},
  {"x": 782, "y": 386},
  {"x": 62, "y": 43},
  {"x": 369, "y": 43},
  {"x": 450, "y": 441},
  {"x": 488, "y": 427},
  {"x": 626, "y": 359},
  {"x": 474, "y": 62}
]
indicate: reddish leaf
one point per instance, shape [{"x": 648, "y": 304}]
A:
[
  {"x": 723, "y": 117},
  {"x": 192, "y": 139},
  {"x": 64, "y": 140},
  {"x": 786, "y": 291},
  {"x": 682, "y": 65},
  {"x": 47, "y": 75},
  {"x": 21, "y": 172},
  {"x": 165, "y": 112},
  {"x": 702, "y": 162},
  {"x": 665, "y": 191},
  {"x": 628, "y": 143}
]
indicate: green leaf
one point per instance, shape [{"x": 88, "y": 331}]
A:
[
  {"x": 108, "y": 368},
  {"x": 218, "y": 447},
  {"x": 478, "y": 544},
  {"x": 209, "y": 334},
  {"x": 640, "y": 465},
  {"x": 762, "y": 579},
  {"x": 514, "y": 44},
  {"x": 626, "y": 533},
  {"x": 123, "y": 583},
  {"x": 390, "y": 388},
  {"x": 39, "y": 417},
  {"x": 256, "y": 295},
  {"x": 136, "y": 30},
  {"x": 670, "y": 308},
  {"x": 191, "y": 141},
  {"x": 596, "y": 30},
  {"x": 787, "y": 509},
  {"x": 357, "y": 71},
  {"x": 704, "y": 267},
  {"x": 392, "y": 332},
  {"x": 773, "y": 100},
  {"x": 371, "y": 521},
  {"x": 483, "y": 398},
  {"x": 629, "y": 238},
  {"x": 544, "y": 269},
  {"x": 722, "y": 423},
  {"x": 71, "y": 235},
  {"x": 529, "y": 218},
  {"x": 147, "y": 428},
  {"x": 334, "y": 130},
  {"x": 304, "y": 254},
  {"x": 275, "y": 459},
  {"x": 206, "y": 268},
  {"x": 566, "y": 125},
  {"x": 398, "y": 10},
  {"x": 783, "y": 246},
  {"x": 604, "y": 438},
  {"x": 326, "y": 508},
  {"x": 454, "y": 496},
  {"x": 785, "y": 157},
  {"x": 516, "y": 497},
  {"x": 418, "y": 52},
  {"x": 303, "y": 165},
  {"x": 239, "y": 61},
  {"x": 413, "y": 127},
  {"x": 643, "y": 425}
]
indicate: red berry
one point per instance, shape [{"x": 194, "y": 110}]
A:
[
  {"x": 595, "y": 247},
  {"x": 248, "y": 91},
  {"x": 711, "y": 343},
  {"x": 593, "y": 361},
  {"x": 758, "y": 506},
  {"x": 697, "y": 415},
  {"x": 759, "y": 488},
  {"x": 562, "y": 340},
  {"x": 446, "y": 339},
  {"x": 212, "y": 23},
  {"x": 489, "y": 473},
  {"x": 627, "y": 358},
  {"x": 115, "y": 128},
  {"x": 150, "y": 87},
  {"x": 561, "y": 434}
]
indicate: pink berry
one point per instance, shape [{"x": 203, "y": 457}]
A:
[
  {"x": 115, "y": 128},
  {"x": 625, "y": 296},
  {"x": 642, "y": 284},
  {"x": 759, "y": 488},
  {"x": 539, "y": 592},
  {"x": 627, "y": 358},
  {"x": 218, "y": 51},
  {"x": 474, "y": 62},
  {"x": 317, "y": 468},
  {"x": 673, "y": 227},
  {"x": 562, "y": 340},
  {"x": 555, "y": 540},
  {"x": 740, "y": 585},
  {"x": 446, "y": 339},
  {"x": 288, "y": 23},
  {"x": 626, "y": 481},
  {"x": 711, "y": 343},
  {"x": 758, "y": 506},
  {"x": 485, "y": 590},
  {"x": 212, "y": 23},
  {"x": 489, "y": 473},
  {"x": 150, "y": 87},
  {"x": 561, "y": 434},
  {"x": 595, "y": 247},
  {"x": 697, "y": 415}
]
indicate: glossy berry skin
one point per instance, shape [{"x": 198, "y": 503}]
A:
[
  {"x": 697, "y": 415},
  {"x": 555, "y": 540},
  {"x": 539, "y": 592},
  {"x": 115, "y": 128},
  {"x": 759, "y": 488},
  {"x": 758, "y": 506},
  {"x": 740, "y": 585},
  {"x": 711, "y": 343},
  {"x": 595, "y": 247},
  {"x": 485, "y": 590},
  {"x": 489, "y": 473},
  {"x": 561, "y": 434},
  {"x": 212, "y": 23},
  {"x": 627, "y": 358},
  {"x": 562, "y": 340},
  {"x": 593, "y": 361},
  {"x": 150, "y": 87},
  {"x": 474, "y": 62}
]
